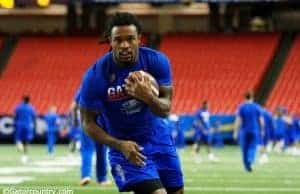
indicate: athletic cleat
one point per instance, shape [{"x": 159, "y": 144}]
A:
[
  {"x": 213, "y": 158},
  {"x": 24, "y": 159},
  {"x": 105, "y": 183},
  {"x": 85, "y": 181},
  {"x": 263, "y": 159}
]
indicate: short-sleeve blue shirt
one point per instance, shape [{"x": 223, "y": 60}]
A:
[
  {"x": 203, "y": 116},
  {"x": 250, "y": 113},
  {"x": 25, "y": 116},
  {"x": 102, "y": 90}
]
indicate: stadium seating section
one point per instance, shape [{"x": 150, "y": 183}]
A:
[
  {"x": 287, "y": 88},
  {"x": 218, "y": 68},
  {"x": 214, "y": 67},
  {"x": 49, "y": 69}
]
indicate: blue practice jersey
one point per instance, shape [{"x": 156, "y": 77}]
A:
[
  {"x": 25, "y": 116},
  {"x": 280, "y": 127},
  {"x": 203, "y": 119},
  {"x": 103, "y": 90},
  {"x": 268, "y": 120},
  {"x": 250, "y": 114},
  {"x": 52, "y": 121}
]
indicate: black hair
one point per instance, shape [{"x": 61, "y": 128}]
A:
[
  {"x": 121, "y": 19},
  {"x": 204, "y": 103},
  {"x": 249, "y": 95},
  {"x": 26, "y": 99}
]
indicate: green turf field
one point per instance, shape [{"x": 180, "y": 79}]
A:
[{"x": 281, "y": 175}]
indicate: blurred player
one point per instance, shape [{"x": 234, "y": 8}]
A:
[
  {"x": 74, "y": 128},
  {"x": 280, "y": 126},
  {"x": 51, "y": 119},
  {"x": 266, "y": 136},
  {"x": 248, "y": 125},
  {"x": 296, "y": 123},
  {"x": 204, "y": 131},
  {"x": 290, "y": 135},
  {"x": 24, "y": 120},
  {"x": 176, "y": 131},
  {"x": 142, "y": 156}
]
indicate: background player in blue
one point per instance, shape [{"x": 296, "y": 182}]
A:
[
  {"x": 266, "y": 136},
  {"x": 24, "y": 126},
  {"x": 74, "y": 128},
  {"x": 51, "y": 119},
  {"x": 249, "y": 123},
  {"x": 280, "y": 126},
  {"x": 203, "y": 131},
  {"x": 176, "y": 131},
  {"x": 290, "y": 134},
  {"x": 142, "y": 156}
]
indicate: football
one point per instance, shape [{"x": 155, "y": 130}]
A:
[{"x": 154, "y": 84}]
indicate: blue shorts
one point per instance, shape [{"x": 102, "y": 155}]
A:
[
  {"x": 266, "y": 137},
  {"x": 159, "y": 165},
  {"x": 278, "y": 136},
  {"x": 23, "y": 134},
  {"x": 204, "y": 138}
]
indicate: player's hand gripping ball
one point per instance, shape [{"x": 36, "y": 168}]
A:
[{"x": 145, "y": 79}]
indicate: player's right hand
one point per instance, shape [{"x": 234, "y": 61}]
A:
[{"x": 132, "y": 152}]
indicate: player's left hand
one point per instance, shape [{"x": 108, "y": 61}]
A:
[
  {"x": 138, "y": 86},
  {"x": 132, "y": 152}
]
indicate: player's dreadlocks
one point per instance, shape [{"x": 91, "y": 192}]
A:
[{"x": 121, "y": 19}]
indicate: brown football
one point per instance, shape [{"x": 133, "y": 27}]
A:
[{"x": 154, "y": 84}]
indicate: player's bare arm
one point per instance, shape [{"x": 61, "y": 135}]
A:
[
  {"x": 130, "y": 149},
  {"x": 141, "y": 89}
]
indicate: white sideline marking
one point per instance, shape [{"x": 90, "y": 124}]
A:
[
  {"x": 56, "y": 163},
  {"x": 17, "y": 169},
  {"x": 14, "y": 180}
]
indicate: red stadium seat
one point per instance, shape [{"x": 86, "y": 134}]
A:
[
  {"x": 219, "y": 68},
  {"x": 49, "y": 69}
]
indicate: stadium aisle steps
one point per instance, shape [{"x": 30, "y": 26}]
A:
[
  {"x": 276, "y": 65},
  {"x": 7, "y": 46},
  {"x": 287, "y": 88}
]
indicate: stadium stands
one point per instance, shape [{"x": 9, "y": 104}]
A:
[
  {"x": 48, "y": 69},
  {"x": 219, "y": 68},
  {"x": 287, "y": 88}
]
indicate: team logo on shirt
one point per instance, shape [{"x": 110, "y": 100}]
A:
[
  {"x": 115, "y": 93},
  {"x": 132, "y": 106}
]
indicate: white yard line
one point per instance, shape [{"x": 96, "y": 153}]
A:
[
  {"x": 56, "y": 163},
  {"x": 14, "y": 179},
  {"x": 30, "y": 169}
]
